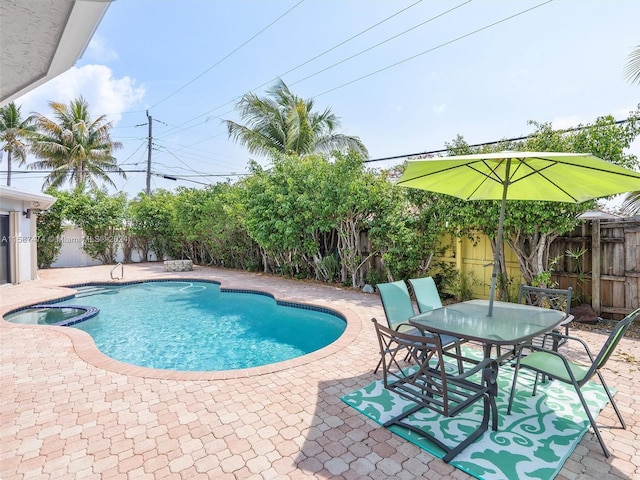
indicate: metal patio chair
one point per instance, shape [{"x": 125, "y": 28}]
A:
[
  {"x": 549, "y": 363},
  {"x": 555, "y": 298},
  {"x": 426, "y": 293},
  {"x": 398, "y": 308},
  {"x": 429, "y": 386}
]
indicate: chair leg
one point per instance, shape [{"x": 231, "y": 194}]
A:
[
  {"x": 613, "y": 402},
  {"x": 494, "y": 413},
  {"x": 592, "y": 421},
  {"x": 535, "y": 384},
  {"x": 459, "y": 354},
  {"x": 516, "y": 370},
  {"x": 378, "y": 366}
]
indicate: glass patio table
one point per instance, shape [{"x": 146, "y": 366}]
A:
[{"x": 511, "y": 323}]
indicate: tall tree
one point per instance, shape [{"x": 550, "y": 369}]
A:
[
  {"x": 15, "y": 132},
  {"x": 632, "y": 67},
  {"x": 77, "y": 149},
  {"x": 285, "y": 123},
  {"x": 631, "y": 203}
]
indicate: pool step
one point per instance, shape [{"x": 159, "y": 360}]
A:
[{"x": 91, "y": 290}]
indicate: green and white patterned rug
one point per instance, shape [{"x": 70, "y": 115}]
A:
[{"x": 531, "y": 443}]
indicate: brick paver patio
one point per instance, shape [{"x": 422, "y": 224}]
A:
[{"x": 70, "y": 412}]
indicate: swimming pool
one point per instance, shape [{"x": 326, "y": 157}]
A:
[{"x": 197, "y": 326}]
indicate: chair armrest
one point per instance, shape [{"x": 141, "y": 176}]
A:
[
  {"x": 533, "y": 348},
  {"x": 557, "y": 336},
  {"x": 568, "y": 319}
]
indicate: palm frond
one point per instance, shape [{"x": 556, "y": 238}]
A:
[
  {"x": 632, "y": 67},
  {"x": 631, "y": 204},
  {"x": 284, "y": 123}
]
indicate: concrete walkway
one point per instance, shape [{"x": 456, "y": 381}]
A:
[{"x": 69, "y": 412}]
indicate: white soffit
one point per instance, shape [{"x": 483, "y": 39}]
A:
[
  {"x": 40, "y": 39},
  {"x": 32, "y": 200}
]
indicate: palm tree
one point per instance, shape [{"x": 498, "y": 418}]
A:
[
  {"x": 631, "y": 204},
  {"x": 285, "y": 123},
  {"x": 76, "y": 148},
  {"x": 632, "y": 68},
  {"x": 15, "y": 132}
]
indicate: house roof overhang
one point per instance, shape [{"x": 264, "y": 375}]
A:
[
  {"x": 40, "y": 201},
  {"x": 40, "y": 39}
]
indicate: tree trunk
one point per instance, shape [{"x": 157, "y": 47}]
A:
[
  {"x": 532, "y": 252},
  {"x": 9, "y": 168}
]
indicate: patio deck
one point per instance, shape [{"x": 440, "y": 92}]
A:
[{"x": 70, "y": 412}]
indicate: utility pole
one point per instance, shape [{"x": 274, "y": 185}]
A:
[{"x": 150, "y": 121}]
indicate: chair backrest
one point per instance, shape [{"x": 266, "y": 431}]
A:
[
  {"x": 427, "y": 381},
  {"x": 423, "y": 348},
  {"x": 554, "y": 298},
  {"x": 426, "y": 293},
  {"x": 614, "y": 338},
  {"x": 396, "y": 302}
]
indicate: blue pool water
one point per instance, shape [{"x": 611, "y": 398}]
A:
[{"x": 193, "y": 326}]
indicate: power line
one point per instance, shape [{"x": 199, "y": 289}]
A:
[
  {"x": 342, "y": 61},
  {"x": 388, "y": 66},
  {"x": 344, "y": 42},
  {"x": 381, "y": 43},
  {"x": 229, "y": 54},
  {"x": 484, "y": 144},
  {"x": 413, "y": 57},
  {"x": 312, "y": 59},
  {"x": 45, "y": 172}
]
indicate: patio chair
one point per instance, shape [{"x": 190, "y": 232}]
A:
[
  {"x": 549, "y": 363},
  {"x": 430, "y": 386},
  {"x": 398, "y": 308},
  {"x": 426, "y": 293},
  {"x": 427, "y": 297},
  {"x": 555, "y": 298}
]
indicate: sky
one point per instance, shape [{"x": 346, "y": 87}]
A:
[{"x": 404, "y": 76}]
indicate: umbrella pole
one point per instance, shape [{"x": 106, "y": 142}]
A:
[{"x": 494, "y": 275}]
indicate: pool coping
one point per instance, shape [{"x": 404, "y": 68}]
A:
[{"x": 86, "y": 349}]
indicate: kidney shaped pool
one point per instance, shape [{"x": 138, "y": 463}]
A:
[{"x": 197, "y": 326}]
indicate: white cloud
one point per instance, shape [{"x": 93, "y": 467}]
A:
[
  {"x": 104, "y": 93},
  {"x": 99, "y": 52}
]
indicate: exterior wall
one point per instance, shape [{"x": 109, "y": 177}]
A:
[
  {"x": 72, "y": 254},
  {"x": 22, "y": 238},
  {"x": 22, "y": 247}
]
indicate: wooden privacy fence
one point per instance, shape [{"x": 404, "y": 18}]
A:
[{"x": 600, "y": 259}]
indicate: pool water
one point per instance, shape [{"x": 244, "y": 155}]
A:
[
  {"x": 194, "y": 326},
  {"x": 47, "y": 315}
]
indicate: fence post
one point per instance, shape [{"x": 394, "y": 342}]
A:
[{"x": 595, "y": 265}]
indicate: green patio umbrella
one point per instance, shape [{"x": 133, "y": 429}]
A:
[{"x": 510, "y": 175}]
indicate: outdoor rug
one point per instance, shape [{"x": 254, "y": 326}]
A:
[{"x": 533, "y": 442}]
